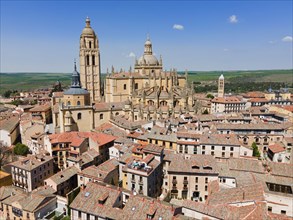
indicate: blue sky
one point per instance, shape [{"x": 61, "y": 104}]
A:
[{"x": 195, "y": 35}]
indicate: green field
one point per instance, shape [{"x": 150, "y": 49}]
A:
[
  {"x": 236, "y": 81},
  {"x": 31, "y": 81},
  {"x": 257, "y": 75}
]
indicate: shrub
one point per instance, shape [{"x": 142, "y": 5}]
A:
[
  {"x": 21, "y": 149},
  {"x": 255, "y": 152}
]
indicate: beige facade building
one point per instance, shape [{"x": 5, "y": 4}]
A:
[
  {"x": 30, "y": 172},
  {"x": 142, "y": 176},
  {"x": 16, "y": 204},
  {"x": 64, "y": 181},
  {"x": 189, "y": 176}
]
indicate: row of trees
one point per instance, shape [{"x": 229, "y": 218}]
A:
[
  {"x": 241, "y": 87},
  {"x": 8, "y": 93}
]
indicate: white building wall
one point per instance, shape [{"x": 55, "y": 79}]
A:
[
  {"x": 5, "y": 138},
  {"x": 194, "y": 214},
  {"x": 279, "y": 203}
]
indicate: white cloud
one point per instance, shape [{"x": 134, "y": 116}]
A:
[
  {"x": 287, "y": 39},
  {"x": 131, "y": 54},
  {"x": 225, "y": 49},
  {"x": 233, "y": 19},
  {"x": 178, "y": 27},
  {"x": 271, "y": 42}
]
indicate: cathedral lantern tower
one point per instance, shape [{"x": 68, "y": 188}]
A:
[
  {"x": 148, "y": 64},
  {"x": 221, "y": 86},
  {"x": 89, "y": 58}
]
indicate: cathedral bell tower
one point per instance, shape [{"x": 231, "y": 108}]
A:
[
  {"x": 221, "y": 86},
  {"x": 89, "y": 59}
]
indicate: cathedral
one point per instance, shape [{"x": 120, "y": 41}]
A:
[{"x": 143, "y": 94}]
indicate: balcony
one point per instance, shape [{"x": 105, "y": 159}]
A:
[
  {"x": 174, "y": 181},
  {"x": 185, "y": 181},
  {"x": 140, "y": 182},
  {"x": 133, "y": 180},
  {"x": 140, "y": 191}
]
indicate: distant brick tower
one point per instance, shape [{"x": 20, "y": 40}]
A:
[
  {"x": 89, "y": 58},
  {"x": 221, "y": 86}
]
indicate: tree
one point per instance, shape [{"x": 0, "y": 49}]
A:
[
  {"x": 21, "y": 149},
  {"x": 7, "y": 93},
  {"x": 255, "y": 152},
  {"x": 210, "y": 96}
]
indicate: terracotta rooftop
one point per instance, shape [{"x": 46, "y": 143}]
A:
[
  {"x": 227, "y": 100},
  {"x": 191, "y": 163},
  {"x": 253, "y": 192},
  {"x": 9, "y": 124},
  {"x": 276, "y": 148},
  {"x": 76, "y": 138},
  {"x": 41, "y": 108},
  {"x": 220, "y": 139},
  {"x": 64, "y": 175},
  {"x": 29, "y": 202},
  {"x": 31, "y": 162}
]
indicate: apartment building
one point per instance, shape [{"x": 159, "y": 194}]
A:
[
  {"x": 107, "y": 172},
  {"x": 64, "y": 181},
  {"x": 141, "y": 175},
  {"x": 30, "y": 172},
  {"x": 260, "y": 133},
  {"x": 189, "y": 176},
  {"x": 217, "y": 145},
  {"x": 29, "y": 206},
  {"x": 227, "y": 105},
  {"x": 71, "y": 145}
]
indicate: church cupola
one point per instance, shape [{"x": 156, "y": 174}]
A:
[{"x": 148, "y": 47}]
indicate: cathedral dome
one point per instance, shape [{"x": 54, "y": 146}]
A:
[
  {"x": 88, "y": 31},
  {"x": 148, "y": 59},
  {"x": 148, "y": 42}
]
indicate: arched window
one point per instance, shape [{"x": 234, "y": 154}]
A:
[
  {"x": 124, "y": 86},
  {"x": 93, "y": 60},
  {"x": 79, "y": 116},
  {"x": 101, "y": 116},
  {"x": 68, "y": 103},
  {"x": 90, "y": 44},
  {"x": 87, "y": 60},
  {"x": 117, "y": 113},
  {"x": 151, "y": 102},
  {"x": 78, "y": 102}
]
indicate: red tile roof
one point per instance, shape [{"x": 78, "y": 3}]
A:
[
  {"x": 76, "y": 138},
  {"x": 276, "y": 148}
]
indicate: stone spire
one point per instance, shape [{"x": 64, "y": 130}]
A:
[{"x": 75, "y": 80}]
